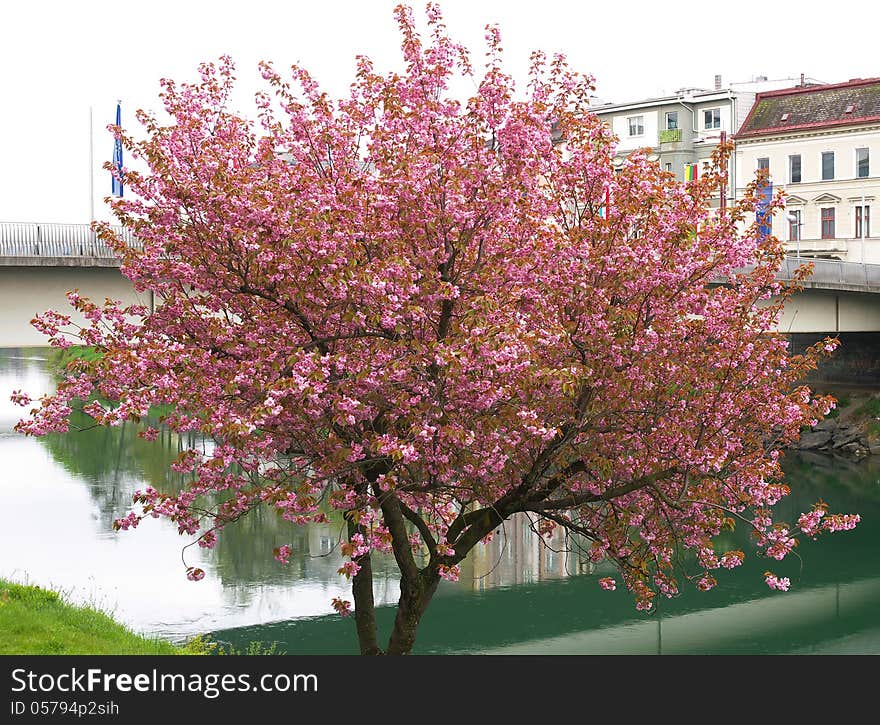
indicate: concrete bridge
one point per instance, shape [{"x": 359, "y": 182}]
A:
[
  {"x": 39, "y": 263},
  {"x": 837, "y": 297},
  {"x": 56, "y": 245}
]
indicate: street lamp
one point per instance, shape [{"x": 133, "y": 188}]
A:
[{"x": 792, "y": 219}]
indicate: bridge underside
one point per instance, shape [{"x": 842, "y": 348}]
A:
[
  {"x": 831, "y": 311},
  {"x": 27, "y": 291}
]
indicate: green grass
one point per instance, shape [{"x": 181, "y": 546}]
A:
[
  {"x": 38, "y": 621},
  {"x": 870, "y": 408},
  {"x": 843, "y": 402}
]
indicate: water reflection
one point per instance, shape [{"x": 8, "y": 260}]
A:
[
  {"x": 810, "y": 620},
  {"x": 60, "y": 494},
  {"x": 833, "y": 608}
]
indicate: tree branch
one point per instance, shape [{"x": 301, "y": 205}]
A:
[
  {"x": 420, "y": 524},
  {"x": 393, "y": 515},
  {"x": 573, "y": 501}
]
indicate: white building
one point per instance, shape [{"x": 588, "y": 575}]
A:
[
  {"x": 683, "y": 129},
  {"x": 679, "y": 130},
  {"x": 822, "y": 144}
]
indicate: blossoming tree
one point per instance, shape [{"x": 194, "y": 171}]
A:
[{"x": 433, "y": 315}]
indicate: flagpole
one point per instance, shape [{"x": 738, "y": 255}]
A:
[
  {"x": 91, "y": 167},
  {"x": 117, "y": 155}
]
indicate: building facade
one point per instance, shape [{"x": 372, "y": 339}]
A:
[
  {"x": 822, "y": 145},
  {"x": 679, "y": 132}
]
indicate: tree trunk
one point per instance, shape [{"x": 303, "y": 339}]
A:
[
  {"x": 414, "y": 599},
  {"x": 364, "y": 606}
]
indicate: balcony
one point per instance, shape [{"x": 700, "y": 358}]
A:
[{"x": 672, "y": 135}]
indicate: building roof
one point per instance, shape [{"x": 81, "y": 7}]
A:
[
  {"x": 693, "y": 95},
  {"x": 809, "y": 107}
]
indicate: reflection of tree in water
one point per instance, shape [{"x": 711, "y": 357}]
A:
[
  {"x": 517, "y": 554},
  {"x": 113, "y": 462},
  {"x": 243, "y": 554},
  {"x": 843, "y": 483}
]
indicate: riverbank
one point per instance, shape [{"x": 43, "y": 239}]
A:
[
  {"x": 38, "y": 621},
  {"x": 853, "y": 428}
]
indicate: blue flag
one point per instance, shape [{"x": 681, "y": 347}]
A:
[
  {"x": 117, "y": 156},
  {"x": 764, "y": 218}
]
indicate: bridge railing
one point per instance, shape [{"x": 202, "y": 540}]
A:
[
  {"x": 832, "y": 271},
  {"x": 24, "y": 239}
]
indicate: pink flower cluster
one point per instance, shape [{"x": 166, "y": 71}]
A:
[
  {"x": 149, "y": 433},
  {"x": 780, "y": 543},
  {"x": 342, "y": 606},
  {"x": 842, "y": 522},
  {"x": 706, "y": 582},
  {"x": 809, "y": 522},
  {"x": 774, "y": 582},
  {"x": 282, "y": 553},
  {"x": 195, "y": 574},
  {"x": 449, "y": 573},
  {"x": 129, "y": 521},
  {"x": 20, "y": 398},
  {"x": 732, "y": 559},
  {"x": 349, "y": 569}
]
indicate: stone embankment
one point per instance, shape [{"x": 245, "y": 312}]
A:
[{"x": 853, "y": 431}]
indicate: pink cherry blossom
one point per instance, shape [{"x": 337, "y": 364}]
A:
[
  {"x": 774, "y": 582},
  {"x": 607, "y": 583},
  {"x": 20, "y": 398},
  {"x": 282, "y": 553},
  {"x": 195, "y": 574},
  {"x": 423, "y": 315},
  {"x": 342, "y": 606}
]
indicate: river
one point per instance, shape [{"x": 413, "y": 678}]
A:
[{"x": 60, "y": 494}]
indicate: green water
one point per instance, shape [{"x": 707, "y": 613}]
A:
[
  {"x": 60, "y": 494},
  {"x": 832, "y": 607}
]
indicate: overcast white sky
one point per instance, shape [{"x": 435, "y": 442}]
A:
[{"x": 59, "y": 58}]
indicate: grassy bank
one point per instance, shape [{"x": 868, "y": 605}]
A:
[{"x": 37, "y": 621}]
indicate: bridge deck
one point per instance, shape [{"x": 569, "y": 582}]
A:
[
  {"x": 56, "y": 245},
  {"x": 76, "y": 245},
  {"x": 835, "y": 275}
]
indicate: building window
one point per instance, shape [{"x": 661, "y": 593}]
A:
[
  {"x": 794, "y": 225},
  {"x": 827, "y": 165},
  {"x": 712, "y": 118},
  {"x": 764, "y": 165},
  {"x": 671, "y": 120},
  {"x": 862, "y": 163},
  {"x": 863, "y": 215},
  {"x": 794, "y": 169},
  {"x": 667, "y": 167},
  {"x": 828, "y": 223},
  {"x": 636, "y": 125}
]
